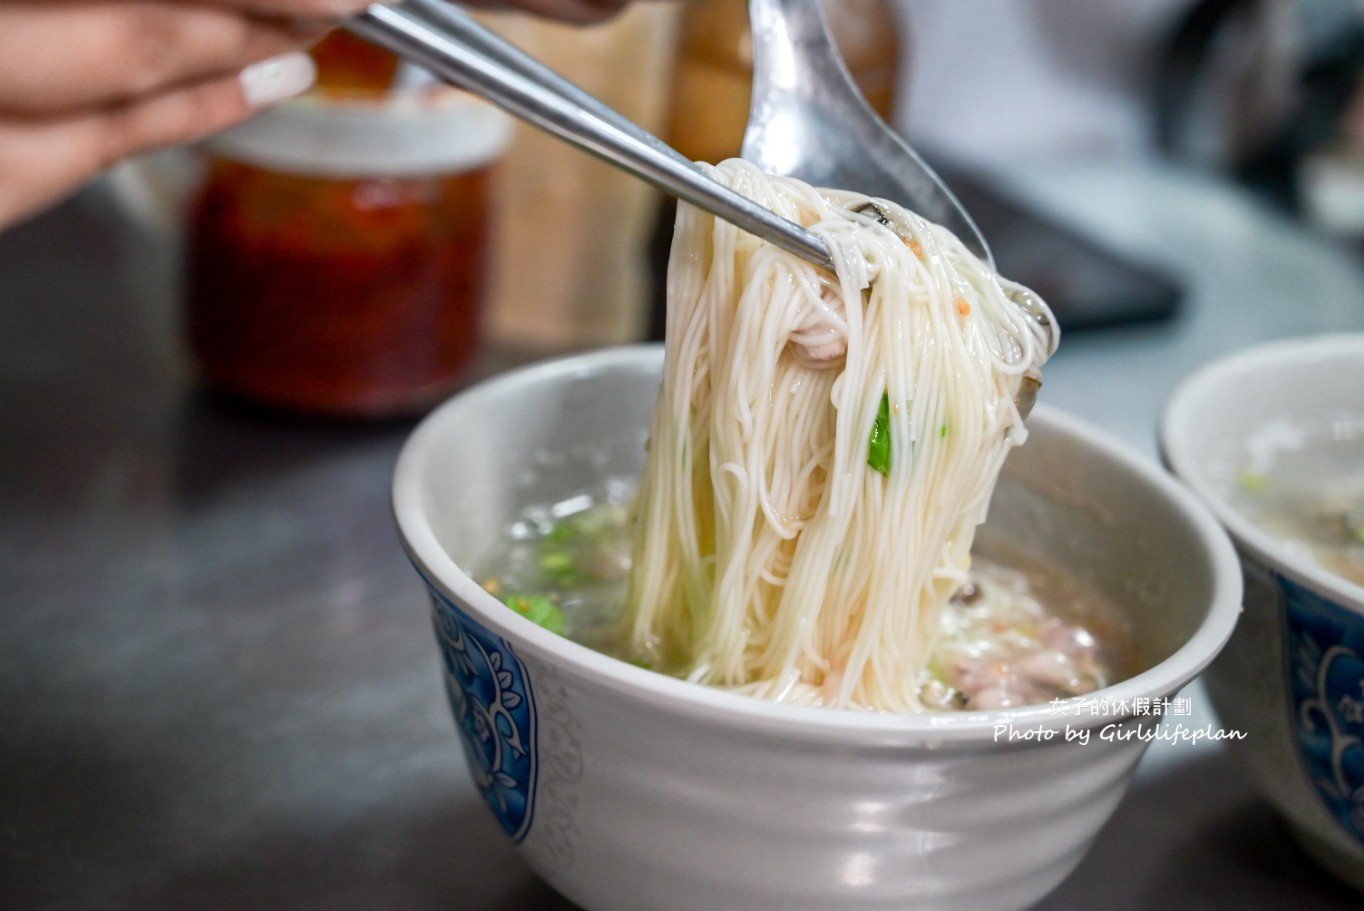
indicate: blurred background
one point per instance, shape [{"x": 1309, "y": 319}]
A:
[{"x": 217, "y": 681}]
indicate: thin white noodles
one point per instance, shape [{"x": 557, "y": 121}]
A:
[{"x": 770, "y": 556}]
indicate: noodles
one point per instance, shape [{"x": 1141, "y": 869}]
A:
[{"x": 779, "y": 551}]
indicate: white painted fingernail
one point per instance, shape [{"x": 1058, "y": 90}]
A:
[{"x": 278, "y": 78}]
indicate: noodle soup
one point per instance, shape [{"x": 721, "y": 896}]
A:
[
  {"x": 592, "y": 765},
  {"x": 1272, "y": 438},
  {"x": 1017, "y": 634},
  {"x": 1302, "y": 482}
]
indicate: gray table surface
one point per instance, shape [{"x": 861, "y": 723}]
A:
[{"x": 217, "y": 682}]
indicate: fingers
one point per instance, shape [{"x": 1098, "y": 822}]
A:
[
  {"x": 580, "y": 11},
  {"x": 324, "y": 9},
  {"x": 111, "y": 53},
  {"x": 84, "y": 83},
  {"x": 583, "y": 11},
  {"x": 45, "y": 158}
]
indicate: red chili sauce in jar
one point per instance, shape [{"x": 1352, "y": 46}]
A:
[{"x": 338, "y": 246}]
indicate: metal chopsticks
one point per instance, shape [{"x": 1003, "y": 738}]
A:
[{"x": 454, "y": 46}]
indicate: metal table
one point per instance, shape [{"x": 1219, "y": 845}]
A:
[{"x": 218, "y": 687}]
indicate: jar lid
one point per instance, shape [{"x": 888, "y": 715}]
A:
[{"x": 435, "y": 130}]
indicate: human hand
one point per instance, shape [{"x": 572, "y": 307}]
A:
[
  {"x": 583, "y": 11},
  {"x": 85, "y": 83}
]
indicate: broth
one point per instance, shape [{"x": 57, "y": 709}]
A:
[
  {"x": 1303, "y": 483},
  {"x": 1019, "y": 634}
]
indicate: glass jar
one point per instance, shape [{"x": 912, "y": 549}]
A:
[{"x": 337, "y": 248}]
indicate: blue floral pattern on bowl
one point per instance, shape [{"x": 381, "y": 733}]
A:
[
  {"x": 1326, "y": 678},
  {"x": 494, "y": 707}
]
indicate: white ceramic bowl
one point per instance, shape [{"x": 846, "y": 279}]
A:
[
  {"x": 1292, "y": 677},
  {"x": 626, "y": 789}
]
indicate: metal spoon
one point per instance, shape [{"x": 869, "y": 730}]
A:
[{"x": 808, "y": 120}]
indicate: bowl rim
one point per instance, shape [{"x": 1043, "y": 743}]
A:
[
  {"x": 720, "y": 707},
  {"x": 1185, "y": 402}
]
